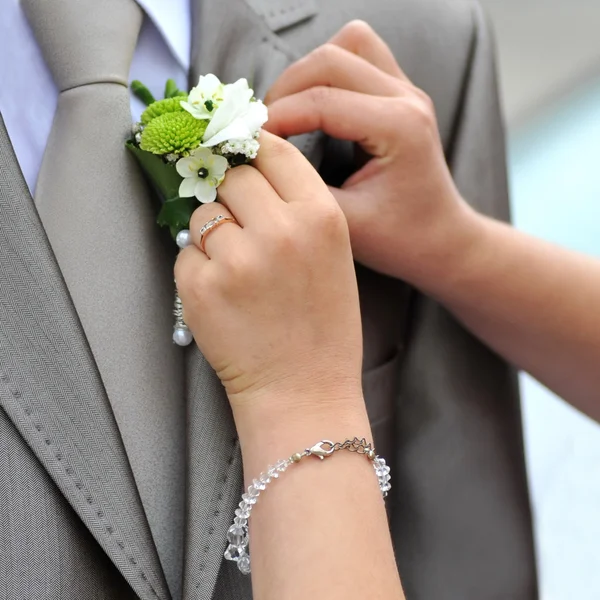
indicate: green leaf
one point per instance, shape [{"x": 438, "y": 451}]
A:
[
  {"x": 142, "y": 92},
  {"x": 176, "y": 214},
  {"x": 171, "y": 90},
  {"x": 163, "y": 177}
]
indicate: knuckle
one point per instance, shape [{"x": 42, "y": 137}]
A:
[
  {"x": 331, "y": 221},
  {"x": 324, "y": 54},
  {"x": 416, "y": 118},
  {"x": 285, "y": 238},
  {"x": 276, "y": 148},
  {"x": 422, "y": 111},
  {"x": 239, "y": 270},
  {"x": 358, "y": 30},
  {"x": 237, "y": 177},
  {"x": 319, "y": 96},
  {"x": 236, "y": 266},
  {"x": 426, "y": 101}
]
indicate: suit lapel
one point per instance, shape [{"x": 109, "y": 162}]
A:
[
  {"x": 232, "y": 39},
  {"x": 51, "y": 390},
  {"x": 281, "y": 14}
]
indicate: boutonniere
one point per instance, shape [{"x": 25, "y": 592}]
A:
[{"x": 185, "y": 143}]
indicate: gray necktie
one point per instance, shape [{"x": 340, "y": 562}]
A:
[{"x": 101, "y": 224}]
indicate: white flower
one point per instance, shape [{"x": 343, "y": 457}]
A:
[
  {"x": 202, "y": 173},
  {"x": 204, "y": 99},
  {"x": 249, "y": 148},
  {"x": 236, "y": 117}
]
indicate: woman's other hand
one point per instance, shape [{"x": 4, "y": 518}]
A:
[{"x": 405, "y": 215}]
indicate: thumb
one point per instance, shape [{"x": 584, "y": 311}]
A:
[
  {"x": 367, "y": 230},
  {"x": 356, "y": 209}
]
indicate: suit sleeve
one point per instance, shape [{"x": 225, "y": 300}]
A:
[
  {"x": 477, "y": 155},
  {"x": 461, "y": 517}
]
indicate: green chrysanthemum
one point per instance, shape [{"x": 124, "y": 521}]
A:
[
  {"x": 173, "y": 133},
  {"x": 162, "y": 107}
]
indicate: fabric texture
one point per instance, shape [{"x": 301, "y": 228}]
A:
[
  {"x": 95, "y": 405},
  {"x": 51, "y": 391},
  {"x": 461, "y": 505},
  {"x": 118, "y": 266},
  {"x": 41, "y": 538}
]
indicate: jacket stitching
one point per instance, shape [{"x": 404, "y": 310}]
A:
[{"x": 79, "y": 486}]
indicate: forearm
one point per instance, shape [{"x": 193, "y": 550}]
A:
[
  {"x": 536, "y": 304},
  {"x": 321, "y": 529}
]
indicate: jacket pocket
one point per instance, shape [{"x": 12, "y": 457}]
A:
[{"x": 380, "y": 388}]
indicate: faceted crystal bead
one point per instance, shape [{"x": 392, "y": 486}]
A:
[
  {"x": 237, "y": 536},
  {"x": 248, "y": 499},
  {"x": 265, "y": 479},
  {"x": 281, "y": 465},
  {"x": 259, "y": 484},
  {"x": 244, "y": 564},
  {"x": 243, "y": 511},
  {"x": 233, "y": 552},
  {"x": 382, "y": 471},
  {"x": 253, "y": 491},
  {"x": 241, "y": 522},
  {"x": 272, "y": 472},
  {"x": 386, "y": 487}
]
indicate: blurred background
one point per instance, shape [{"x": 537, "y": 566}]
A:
[{"x": 549, "y": 60}]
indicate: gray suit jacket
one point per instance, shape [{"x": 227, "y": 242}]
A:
[{"x": 78, "y": 519}]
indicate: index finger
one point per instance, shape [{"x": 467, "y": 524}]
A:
[
  {"x": 288, "y": 171},
  {"x": 360, "y": 118},
  {"x": 361, "y": 39}
]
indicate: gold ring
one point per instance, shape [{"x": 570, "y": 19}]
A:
[{"x": 211, "y": 226}]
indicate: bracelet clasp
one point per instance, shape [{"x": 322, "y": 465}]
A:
[{"x": 320, "y": 451}]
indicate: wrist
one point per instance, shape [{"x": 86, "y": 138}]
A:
[
  {"x": 270, "y": 429},
  {"x": 286, "y": 398},
  {"x": 457, "y": 243}
]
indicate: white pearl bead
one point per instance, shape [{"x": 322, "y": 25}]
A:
[
  {"x": 182, "y": 336},
  {"x": 183, "y": 239}
]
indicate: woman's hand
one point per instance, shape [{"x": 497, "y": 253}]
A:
[
  {"x": 406, "y": 217},
  {"x": 273, "y": 303}
]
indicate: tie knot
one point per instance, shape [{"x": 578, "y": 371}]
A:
[{"x": 85, "y": 41}]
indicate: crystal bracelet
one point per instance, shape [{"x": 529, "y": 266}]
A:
[{"x": 238, "y": 535}]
